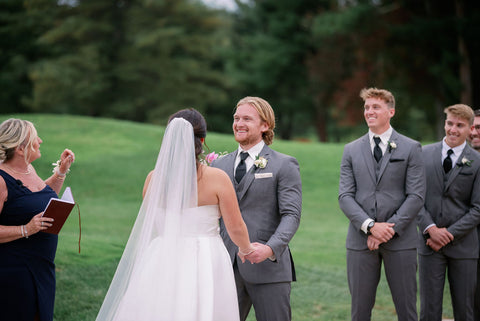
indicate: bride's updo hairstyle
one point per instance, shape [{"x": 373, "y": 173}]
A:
[
  {"x": 16, "y": 133},
  {"x": 198, "y": 123}
]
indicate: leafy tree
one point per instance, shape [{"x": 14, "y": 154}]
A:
[
  {"x": 77, "y": 77},
  {"x": 389, "y": 44},
  {"x": 269, "y": 48},
  {"x": 19, "y": 30},
  {"x": 138, "y": 60}
]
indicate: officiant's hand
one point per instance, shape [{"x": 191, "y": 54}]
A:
[
  {"x": 261, "y": 253},
  {"x": 66, "y": 160},
  {"x": 38, "y": 223}
]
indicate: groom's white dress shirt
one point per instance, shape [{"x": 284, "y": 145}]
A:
[
  {"x": 384, "y": 138},
  {"x": 252, "y": 153}
]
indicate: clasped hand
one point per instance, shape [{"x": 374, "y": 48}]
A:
[
  {"x": 258, "y": 253},
  {"x": 439, "y": 237},
  {"x": 381, "y": 233}
]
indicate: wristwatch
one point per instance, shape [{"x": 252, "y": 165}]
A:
[{"x": 369, "y": 227}]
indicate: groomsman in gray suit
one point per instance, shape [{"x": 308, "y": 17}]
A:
[
  {"x": 381, "y": 191},
  {"x": 474, "y": 138},
  {"x": 448, "y": 222},
  {"x": 475, "y": 143},
  {"x": 269, "y": 193}
]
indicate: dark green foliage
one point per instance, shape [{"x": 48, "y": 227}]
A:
[{"x": 143, "y": 59}]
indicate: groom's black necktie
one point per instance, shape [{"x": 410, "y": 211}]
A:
[
  {"x": 377, "y": 151},
  {"x": 242, "y": 167},
  {"x": 447, "y": 162}
]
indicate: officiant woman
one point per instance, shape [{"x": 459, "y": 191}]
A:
[{"x": 27, "y": 270}]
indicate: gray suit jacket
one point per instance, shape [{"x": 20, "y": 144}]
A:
[
  {"x": 454, "y": 204},
  {"x": 270, "y": 200},
  {"x": 395, "y": 196}
]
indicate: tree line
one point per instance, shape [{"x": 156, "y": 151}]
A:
[{"x": 144, "y": 59}]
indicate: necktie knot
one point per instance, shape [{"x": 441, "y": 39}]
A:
[
  {"x": 243, "y": 156},
  {"x": 449, "y": 152},
  {"x": 377, "y": 140}
]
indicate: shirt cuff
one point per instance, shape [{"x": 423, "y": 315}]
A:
[
  {"x": 425, "y": 230},
  {"x": 365, "y": 225}
]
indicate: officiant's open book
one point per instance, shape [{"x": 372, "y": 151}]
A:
[{"x": 59, "y": 209}]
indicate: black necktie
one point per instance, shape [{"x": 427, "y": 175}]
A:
[
  {"x": 242, "y": 167},
  {"x": 447, "y": 162},
  {"x": 377, "y": 151}
]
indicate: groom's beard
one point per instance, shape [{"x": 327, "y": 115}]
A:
[{"x": 246, "y": 140}]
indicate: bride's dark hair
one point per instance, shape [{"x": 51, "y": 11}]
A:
[{"x": 198, "y": 123}]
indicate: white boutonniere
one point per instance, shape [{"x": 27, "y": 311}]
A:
[
  {"x": 391, "y": 146},
  {"x": 260, "y": 162},
  {"x": 465, "y": 161}
]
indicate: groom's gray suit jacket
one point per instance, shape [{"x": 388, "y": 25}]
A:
[
  {"x": 395, "y": 195},
  {"x": 270, "y": 200}
]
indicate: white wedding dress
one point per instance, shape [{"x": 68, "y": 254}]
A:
[
  {"x": 175, "y": 266},
  {"x": 205, "y": 288}
]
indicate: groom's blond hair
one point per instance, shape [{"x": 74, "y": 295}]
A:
[{"x": 265, "y": 111}]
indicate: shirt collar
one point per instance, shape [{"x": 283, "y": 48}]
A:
[
  {"x": 456, "y": 150},
  {"x": 385, "y": 136},
  {"x": 254, "y": 151}
]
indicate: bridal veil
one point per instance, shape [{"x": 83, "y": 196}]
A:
[{"x": 172, "y": 189}]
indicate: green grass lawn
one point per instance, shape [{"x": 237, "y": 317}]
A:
[{"x": 112, "y": 160}]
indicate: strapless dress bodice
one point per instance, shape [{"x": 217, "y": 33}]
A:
[{"x": 201, "y": 221}]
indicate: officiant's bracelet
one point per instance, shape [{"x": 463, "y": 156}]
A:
[
  {"x": 23, "y": 228},
  {"x": 56, "y": 170}
]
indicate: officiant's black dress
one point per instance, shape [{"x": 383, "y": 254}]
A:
[{"x": 27, "y": 270}]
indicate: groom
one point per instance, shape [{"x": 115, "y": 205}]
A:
[{"x": 269, "y": 194}]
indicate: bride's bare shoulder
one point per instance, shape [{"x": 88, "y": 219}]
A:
[{"x": 215, "y": 174}]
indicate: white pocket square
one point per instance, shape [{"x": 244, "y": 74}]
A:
[{"x": 263, "y": 175}]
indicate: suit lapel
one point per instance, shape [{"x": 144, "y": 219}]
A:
[
  {"x": 230, "y": 166},
  {"x": 436, "y": 157},
  {"x": 455, "y": 168},
  {"x": 389, "y": 153},
  {"x": 366, "y": 151},
  {"x": 249, "y": 177}
]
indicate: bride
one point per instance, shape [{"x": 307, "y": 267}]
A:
[{"x": 175, "y": 266}]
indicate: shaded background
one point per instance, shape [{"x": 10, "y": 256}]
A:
[{"x": 141, "y": 60}]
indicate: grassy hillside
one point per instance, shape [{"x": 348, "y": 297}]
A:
[{"x": 112, "y": 159}]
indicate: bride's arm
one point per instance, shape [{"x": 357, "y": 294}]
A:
[
  {"x": 227, "y": 201},
  {"x": 147, "y": 182}
]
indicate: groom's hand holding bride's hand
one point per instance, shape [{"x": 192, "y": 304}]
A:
[
  {"x": 244, "y": 253},
  {"x": 261, "y": 253}
]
